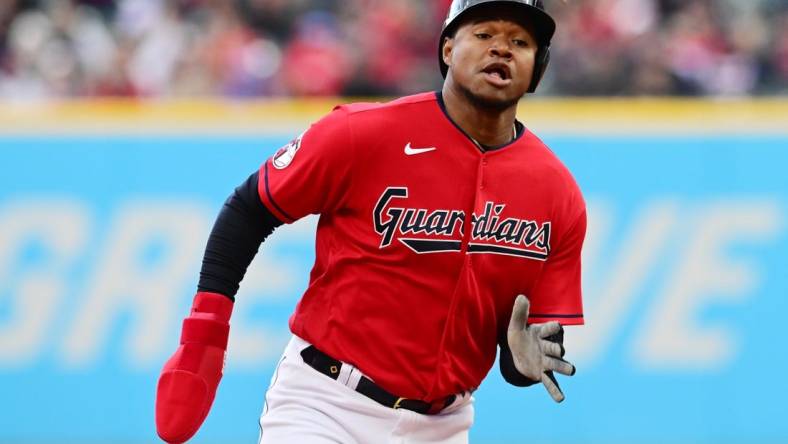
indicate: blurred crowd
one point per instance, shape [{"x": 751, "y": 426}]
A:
[{"x": 252, "y": 48}]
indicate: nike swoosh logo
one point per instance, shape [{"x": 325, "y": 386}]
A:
[{"x": 412, "y": 151}]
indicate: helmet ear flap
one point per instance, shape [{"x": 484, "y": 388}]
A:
[{"x": 541, "y": 61}]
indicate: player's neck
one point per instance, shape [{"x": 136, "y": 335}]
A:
[{"x": 486, "y": 125}]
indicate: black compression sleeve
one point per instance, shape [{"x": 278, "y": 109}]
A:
[{"x": 242, "y": 225}]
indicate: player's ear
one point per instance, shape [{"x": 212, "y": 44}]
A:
[{"x": 448, "y": 47}]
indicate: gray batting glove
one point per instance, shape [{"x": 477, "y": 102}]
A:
[{"x": 535, "y": 356}]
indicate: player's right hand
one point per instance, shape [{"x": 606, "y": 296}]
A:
[
  {"x": 189, "y": 379},
  {"x": 534, "y": 351}
]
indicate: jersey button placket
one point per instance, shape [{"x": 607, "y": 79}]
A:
[
  {"x": 482, "y": 180},
  {"x": 467, "y": 226}
]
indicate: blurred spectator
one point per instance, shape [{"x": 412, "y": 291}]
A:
[
  {"x": 317, "y": 59},
  {"x": 251, "y": 48}
]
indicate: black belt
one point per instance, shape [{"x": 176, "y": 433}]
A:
[{"x": 330, "y": 367}]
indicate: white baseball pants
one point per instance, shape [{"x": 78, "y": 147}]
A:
[{"x": 304, "y": 406}]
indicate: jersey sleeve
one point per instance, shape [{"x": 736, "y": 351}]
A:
[
  {"x": 557, "y": 296},
  {"x": 311, "y": 174}
]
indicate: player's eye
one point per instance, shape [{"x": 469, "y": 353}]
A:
[
  {"x": 520, "y": 43},
  {"x": 483, "y": 36}
]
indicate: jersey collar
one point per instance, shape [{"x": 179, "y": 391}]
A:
[{"x": 519, "y": 127}]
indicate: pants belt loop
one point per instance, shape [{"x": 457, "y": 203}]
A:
[
  {"x": 344, "y": 374},
  {"x": 354, "y": 378}
]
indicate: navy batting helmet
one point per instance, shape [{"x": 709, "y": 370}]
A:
[{"x": 533, "y": 10}]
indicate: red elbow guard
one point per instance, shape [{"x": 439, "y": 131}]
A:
[{"x": 189, "y": 379}]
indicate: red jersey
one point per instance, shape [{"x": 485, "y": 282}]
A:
[{"x": 425, "y": 240}]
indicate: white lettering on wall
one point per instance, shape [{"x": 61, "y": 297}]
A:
[
  {"x": 706, "y": 273},
  {"x": 648, "y": 282},
  {"x": 608, "y": 300},
  {"x": 125, "y": 281},
  {"x": 36, "y": 291}
]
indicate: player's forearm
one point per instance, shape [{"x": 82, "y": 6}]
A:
[
  {"x": 242, "y": 225},
  {"x": 189, "y": 380}
]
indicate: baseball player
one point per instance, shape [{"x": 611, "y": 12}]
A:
[{"x": 447, "y": 230}]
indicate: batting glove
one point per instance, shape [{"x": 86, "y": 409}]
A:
[
  {"x": 534, "y": 354},
  {"x": 188, "y": 382}
]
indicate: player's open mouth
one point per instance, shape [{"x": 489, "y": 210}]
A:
[{"x": 498, "y": 74}]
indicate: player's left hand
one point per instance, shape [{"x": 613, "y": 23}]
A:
[
  {"x": 188, "y": 382},
  {"x": 534, "y": 354}
]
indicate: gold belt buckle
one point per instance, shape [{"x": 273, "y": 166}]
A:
[{"x": 397, "y": 404}]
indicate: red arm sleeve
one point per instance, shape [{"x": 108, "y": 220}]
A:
[
  {"x": 310, "y": 175},
  {"x": 557, "y": 296}
]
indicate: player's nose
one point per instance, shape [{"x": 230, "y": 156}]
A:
[{"x": 500, "y": 48}]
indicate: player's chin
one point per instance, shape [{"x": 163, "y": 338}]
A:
[{"x": 494, "y": 97}]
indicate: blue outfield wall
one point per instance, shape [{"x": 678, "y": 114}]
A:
[{"x": 686, "y": 287}]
